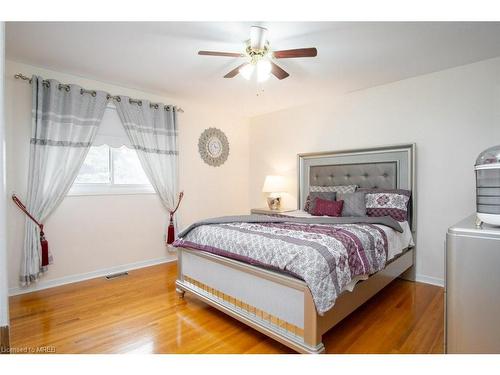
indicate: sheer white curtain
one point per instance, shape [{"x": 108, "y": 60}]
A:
[
  {"x": 152, "y": 130},
  {"x": 65, "y": 119}
]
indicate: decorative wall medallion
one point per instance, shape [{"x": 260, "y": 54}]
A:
[{"x": 213, "y": 147}]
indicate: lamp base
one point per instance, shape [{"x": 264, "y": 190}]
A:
[{"x": 274, "y": 203}]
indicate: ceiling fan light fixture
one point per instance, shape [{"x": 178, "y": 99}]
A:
[
  {"x": 247, "y": 71},
  {"x": 263, "y": 70},
  {"x": 259, "y": 57}
]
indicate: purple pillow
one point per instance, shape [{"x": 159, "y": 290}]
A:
[
  {"x": 387, "y": 202},
  {"x": 323, "y": 207},
  {"x": 309, "y": 206}
]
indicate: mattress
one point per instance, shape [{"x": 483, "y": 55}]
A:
[
  {"x": 330, "y": 258},
  {"x": 397, "y": 243}
]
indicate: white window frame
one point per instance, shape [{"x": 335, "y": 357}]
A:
[
  {"x": 82, "y": 189},
  {"x": 109, "y": 189}
]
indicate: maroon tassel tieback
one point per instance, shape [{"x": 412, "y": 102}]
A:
[
  {"x": 43, "y": 242},
  {"x": 171, "y": 227}
]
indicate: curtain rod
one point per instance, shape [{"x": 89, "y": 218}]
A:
[{"x": 93, "y": 93}]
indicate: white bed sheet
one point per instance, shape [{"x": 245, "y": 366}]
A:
[{"x": 396, "y": 241}]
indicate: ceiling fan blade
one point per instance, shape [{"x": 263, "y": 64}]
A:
[
  {"x": 278, "y": 72},
  {"x": 235, "y": 71},
  {"x": 224, "y": 54},
  {"x": 299, "y": 52}
]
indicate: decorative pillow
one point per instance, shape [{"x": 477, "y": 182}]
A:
[
  {"x": 309, "y": 206},
  {"x": 354, "y": 203},
  {"x": 329, "y": 208},
  {"x": 387, "y": 202},
  {"x": 336, "y": 189}
]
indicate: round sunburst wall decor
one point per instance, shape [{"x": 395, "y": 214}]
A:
[{"x": 213, "y": 147}]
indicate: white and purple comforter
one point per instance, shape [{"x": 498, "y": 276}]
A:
[{"x": 326, "y": 256}]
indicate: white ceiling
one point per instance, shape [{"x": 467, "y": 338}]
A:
[{"x": 161, "y": 57}]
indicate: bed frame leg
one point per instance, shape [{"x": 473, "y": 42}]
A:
[
  {"x": 315, "y": 344},
  {"x": 180, "y": 292},
  {"x": 312, "y": 336},
  {"x": 411, "y": 273}
]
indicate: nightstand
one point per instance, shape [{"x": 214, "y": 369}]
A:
[{"x": 267, "y": 211}]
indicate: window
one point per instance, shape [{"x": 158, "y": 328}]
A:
[
  {"x": 96, "y": 167},
  {"x": 109, "y": 170},
  {"x": 110, "y": 166}
]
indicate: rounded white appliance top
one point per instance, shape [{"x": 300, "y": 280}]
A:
[{"x": 489, "y": 157}]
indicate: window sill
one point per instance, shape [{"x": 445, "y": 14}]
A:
[{"x": 98, "y": 189}]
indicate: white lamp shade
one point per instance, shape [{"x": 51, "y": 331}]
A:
[{"x": 274, "y": 184}]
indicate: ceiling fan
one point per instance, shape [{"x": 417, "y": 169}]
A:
[{"x": 259, "y": 57}]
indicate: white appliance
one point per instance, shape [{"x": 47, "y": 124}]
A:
[
  {"x": 472, "y": 288},
  {"x": 488, "y": 186}
]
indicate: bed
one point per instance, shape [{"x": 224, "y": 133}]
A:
[{"x": 281, "y": 304}]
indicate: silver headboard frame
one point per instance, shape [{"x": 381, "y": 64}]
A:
[{"x": 386, "y": 167}]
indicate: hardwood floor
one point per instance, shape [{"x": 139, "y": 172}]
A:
[{"x": 141, "y": 313}]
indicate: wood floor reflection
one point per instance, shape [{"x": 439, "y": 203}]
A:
[{"x": 141, "y": 313}]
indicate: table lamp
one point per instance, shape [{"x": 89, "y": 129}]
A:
[{"x": 274, "y": 185}]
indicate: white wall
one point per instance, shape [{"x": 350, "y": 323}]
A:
[
  {"x": 91, "y": 233},
  {"x": 4, "y": 302},
  {"x": 451, "y": 115}
]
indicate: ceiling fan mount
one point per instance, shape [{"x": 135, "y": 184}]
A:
[{"x": 259, "y": 57}]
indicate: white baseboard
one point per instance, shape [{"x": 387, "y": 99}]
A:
[
  {"x": 42, "y": 284},
  {"x": 429, "y": 280}
]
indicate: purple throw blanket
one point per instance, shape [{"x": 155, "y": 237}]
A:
[{"x": 327, "y": 253}]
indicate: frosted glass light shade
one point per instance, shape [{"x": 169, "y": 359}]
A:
[
  {"x": 247, "y": 71},
  {"x": 263, "y": 70},
  {"x": 274, "y": 184}
]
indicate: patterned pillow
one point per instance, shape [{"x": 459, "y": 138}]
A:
[
  {"x": 323, "y": 207},
  {"x": 336, "y": 189},
  {"x": 354, "y": 204},
  {"x": 387, "y": 202},
  {"x": 309, "y": 206}
]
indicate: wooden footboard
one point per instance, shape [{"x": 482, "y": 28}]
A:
[{"x": 275, "y": 304}]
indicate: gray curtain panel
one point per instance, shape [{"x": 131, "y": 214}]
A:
[
  {"x": 65, "y": 120},
  {"x": 152, "y": 130}
]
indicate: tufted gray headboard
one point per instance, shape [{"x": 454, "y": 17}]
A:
[
  {"x": 389, "y": 167},
  {"x": 365, "y": 175}
]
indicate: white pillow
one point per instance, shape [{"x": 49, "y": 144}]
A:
[{"x": 337, "y": 189}]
